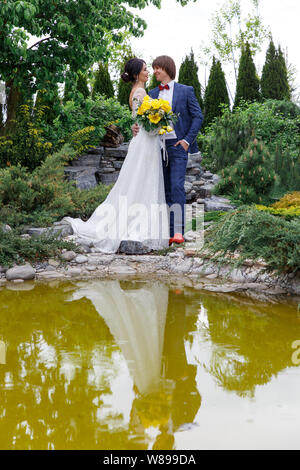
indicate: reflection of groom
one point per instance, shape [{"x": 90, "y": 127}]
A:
[{"x": 179, "y": 142}]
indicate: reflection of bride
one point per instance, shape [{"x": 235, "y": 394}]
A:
[{"x": 136, "y": 318}]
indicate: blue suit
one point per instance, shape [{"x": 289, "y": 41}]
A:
[{"x": 187, "y": 127}]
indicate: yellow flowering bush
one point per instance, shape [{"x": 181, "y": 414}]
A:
[
  {"x": 156, "y": 115},
  {"x": 288, "y": 206}
]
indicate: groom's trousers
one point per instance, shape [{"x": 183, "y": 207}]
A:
[{"x": 174, "y": 178}]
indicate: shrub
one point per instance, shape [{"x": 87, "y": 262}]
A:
[
  {"x": 88, "y": 113},
  {"x": 26, "y": 146},
  {"x": 255, "y": 234},
  {"x": 16, "y": 250},
  {"x": 44, "y": 195},
  {"x": 251, "y": 177},
  {"x": 288, "y": 206},
  {"x": 273, "y": 122}
]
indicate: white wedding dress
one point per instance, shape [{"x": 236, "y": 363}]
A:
[
  {"x": 135, "y": 209},
  {"x": 136, "y": 318}
]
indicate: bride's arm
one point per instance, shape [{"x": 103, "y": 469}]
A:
[{"x": 137, "y": 99}]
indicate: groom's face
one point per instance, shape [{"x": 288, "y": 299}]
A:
[{"x": 160, "y": 74}]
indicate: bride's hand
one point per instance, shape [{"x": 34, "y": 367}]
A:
[{"x": 135, "y": 129}]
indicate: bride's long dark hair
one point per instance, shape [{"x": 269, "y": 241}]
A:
[{"x": 132, "y": 70}]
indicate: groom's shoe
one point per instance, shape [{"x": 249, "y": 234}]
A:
[{"x": 178, "y": 238}]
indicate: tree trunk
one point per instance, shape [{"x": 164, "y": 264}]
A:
[{"x": 12, "y": 106}]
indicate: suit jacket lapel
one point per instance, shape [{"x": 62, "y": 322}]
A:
[
  {"x": 175, "y": 97},
  {"x": 154, "y": 93}
]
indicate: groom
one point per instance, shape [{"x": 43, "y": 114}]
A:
[{"x": 179, "y": 142}]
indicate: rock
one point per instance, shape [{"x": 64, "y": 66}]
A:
[
  {"x": 81, "y": 259},
  {"x": 107, "y": 178},
  {"x": 50, "y": 275},
  {"x": 92, "y": 160},
  {"x": 73, "y": 271},
  {"x": 84, "y": 242},
  {"x": 62, "y": 230},
  {"x": 121, "y": 269},
  {"x": 188, "y": 186},
  {"x": 207, "y": 175},
  {"x": 25, "y": 236},
  {"x": 205, "y": 190},
  {"x": 198, "y": 183},
  {"x": 91, "y": 268},
  {"x": 118, "y": 165},
  {"x": 83, "y": 176},
  {"x": 131, "y": 247},
  {"x": 215, "y": 203},
  {"x": 53, "y": 262},
  {"x": 5, "y": 228},
  {"x": 119, "y": 152},
  {"x": 68, "y": 255},
  {"x": 36, "y": 231},
  {"x": 20, "y": 272},
  {"x": 96, "y": 151},
  {"x": 49, "y": 268},
  {"x": 3, "y": 269}
]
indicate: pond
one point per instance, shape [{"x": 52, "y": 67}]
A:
[{"x": 114, "y": 364}]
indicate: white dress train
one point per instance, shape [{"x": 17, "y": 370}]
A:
[
  {"x": 135, "y": 209},
  {"x": 136, "y": 318}
]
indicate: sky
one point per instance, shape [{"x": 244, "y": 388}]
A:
[{"x": 174, "y": 30}]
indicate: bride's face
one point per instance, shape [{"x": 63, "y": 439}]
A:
[{"x": 144, "y": 74}]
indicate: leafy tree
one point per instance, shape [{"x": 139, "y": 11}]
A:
[
  {"x": 247, "y": 87},
  {"x": 215, "y": 94},
  {"x": 274, "y": 79},
  {"x": 51, "y": 102},
  {"x": 70, "y": 33},
  {"x": 230, "y": 30},
  {"x": 103, "y": 84},
  {"x": 188, "y": 75}
]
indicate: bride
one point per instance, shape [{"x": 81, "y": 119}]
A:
[{"x": 135, "y": 209}]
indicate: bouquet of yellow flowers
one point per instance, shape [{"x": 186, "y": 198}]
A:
[{"x": 156, "y": 116}]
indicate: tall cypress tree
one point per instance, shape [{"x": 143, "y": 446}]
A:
[
  {"x": 247, "y": 87},
  {"x": 82, "y": 84},
  {"x": 188, "y": 75},
  {"x": 103, "y": 84},
  {"x": 274, "y": 79},
  {"x": 284, "y": 92},
  {"x": 268, "y": 77},
  {"x": 216, "y": 93}
]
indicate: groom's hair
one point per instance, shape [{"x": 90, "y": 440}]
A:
[{"x": 167, "y": 64}]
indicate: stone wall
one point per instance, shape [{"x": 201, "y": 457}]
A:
[{"x": 103, "y": 165}]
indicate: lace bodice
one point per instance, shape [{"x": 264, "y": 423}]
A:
[{"x": 137, "y": 98}]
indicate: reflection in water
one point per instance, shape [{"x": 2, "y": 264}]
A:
[
  {"x": 2, "y": 352},
  {"x": 116, "y": 365}
]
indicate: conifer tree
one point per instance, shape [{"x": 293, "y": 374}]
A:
[
  {"x": 283, "y": 88},
  {"x": 103, "y": 84},
  {"x": 247, "y": 87},
  {"x": 268, "y": 77},
  {"x": 215, "y": 94},
  {"x": 82, "y": 85},
  {"x": 252, "y": 176},
  {"x": 188, "y": 75}
]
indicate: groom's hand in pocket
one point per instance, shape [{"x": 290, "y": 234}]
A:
[
  {"x": 135, "y": 129},
  {"x": 183, "y": 143}
]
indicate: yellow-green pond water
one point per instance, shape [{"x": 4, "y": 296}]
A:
[{"x": 108, "y": 364}]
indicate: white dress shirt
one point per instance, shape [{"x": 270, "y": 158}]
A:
[{"x": 168, "y": 95}]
